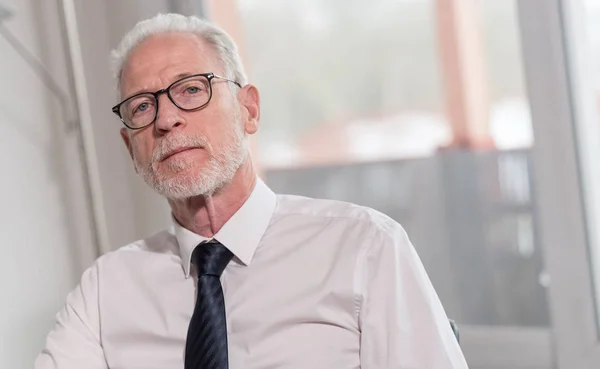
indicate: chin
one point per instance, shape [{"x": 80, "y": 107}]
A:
[
  {"x": 186, "y": 176},
  {"x": 177, "y": 166},
  {"x": 189, "y": 182}
]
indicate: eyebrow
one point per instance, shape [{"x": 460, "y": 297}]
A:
[
  {"x": 182, "y": 75},
  {"x": 179, "y": 76}
]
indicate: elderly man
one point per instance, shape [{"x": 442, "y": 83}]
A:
[{"x": 244, "y": 278}]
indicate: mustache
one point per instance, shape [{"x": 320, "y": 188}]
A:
[{"x": 177, "y": 141}]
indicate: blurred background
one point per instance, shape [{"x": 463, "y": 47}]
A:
[{"x": 474, "y": 123}]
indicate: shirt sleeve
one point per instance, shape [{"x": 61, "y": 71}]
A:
[
  {"x": 74, "y": 343},
  {"x": 403, "y": 324}
]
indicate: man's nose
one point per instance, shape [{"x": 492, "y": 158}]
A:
[{"x": 168, "y": 115}]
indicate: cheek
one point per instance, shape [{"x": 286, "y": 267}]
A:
[
  {"x": 223, "y": 136},
  {"x": 215, "y": 126},
  {"x": 142, "y": 147}
]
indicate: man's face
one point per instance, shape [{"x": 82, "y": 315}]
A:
[{"x": 184, "y": 153}]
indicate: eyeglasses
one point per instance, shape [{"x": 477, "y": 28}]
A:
[{"x": 188, "y": 94}]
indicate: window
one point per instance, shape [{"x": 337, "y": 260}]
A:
[{"x": 418, "y": 110}]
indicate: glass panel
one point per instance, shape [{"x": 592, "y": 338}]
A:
[
  {"x": 585, "y": 79},
  {"x": 417, "y": 109}
]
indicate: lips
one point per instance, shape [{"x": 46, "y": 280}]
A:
[{"x": 176, "y": 151}]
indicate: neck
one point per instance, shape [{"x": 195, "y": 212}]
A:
[{"x": 205, "y": 215}]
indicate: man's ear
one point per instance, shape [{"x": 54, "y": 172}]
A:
[
  {"x": 127, "y": 141},
  {"x": 249, "y": 99}
]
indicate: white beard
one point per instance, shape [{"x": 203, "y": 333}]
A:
[{"x": 218, "y": 171}]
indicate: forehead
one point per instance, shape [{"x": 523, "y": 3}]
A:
[{"x": 159, "y": 59}]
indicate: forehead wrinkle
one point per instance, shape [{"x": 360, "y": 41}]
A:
[{"x": 135, "y": 80}]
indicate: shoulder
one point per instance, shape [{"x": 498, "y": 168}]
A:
[
  {"x": 116, "y": 268},
  {"x": 379, "y": 225},
  {"x": 161, "y": 243}
]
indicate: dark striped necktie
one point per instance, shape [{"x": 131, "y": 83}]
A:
[{"x": 206, "y": 345}]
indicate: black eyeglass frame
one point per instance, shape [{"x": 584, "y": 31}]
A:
[{"x": 209, "y": 76}]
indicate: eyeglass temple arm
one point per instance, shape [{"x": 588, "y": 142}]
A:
[{"x": 227, "y": 79}]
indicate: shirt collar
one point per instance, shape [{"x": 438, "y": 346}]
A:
[{"x": 240, "y": 234}]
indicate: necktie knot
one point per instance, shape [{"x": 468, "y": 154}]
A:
[{"x": 211, "y": 259}]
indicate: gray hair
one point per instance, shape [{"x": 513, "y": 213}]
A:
[{"x": 218, "y": 39}]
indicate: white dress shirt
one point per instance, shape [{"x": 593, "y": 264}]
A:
[{"x": 313, "y": 284}]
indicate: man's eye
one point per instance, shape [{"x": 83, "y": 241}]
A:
[{"x": 142, "y": 107}]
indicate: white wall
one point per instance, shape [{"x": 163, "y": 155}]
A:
[
  {"x": 45, "y": 220},
  {"x": 132, "y": 209},
  {"x": 44, "y": 229}
]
